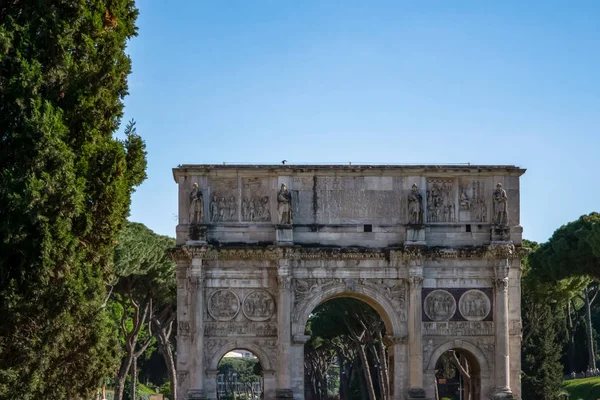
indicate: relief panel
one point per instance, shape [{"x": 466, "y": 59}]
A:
[
  {"x": 223, "y": 205},
  {"x": 472, "y": 201},
  {"x": 441, "y": 206},
  {"x": 256, "y": 204}
]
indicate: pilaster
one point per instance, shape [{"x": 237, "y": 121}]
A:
[
  {"x": 284, "y": 314},
  {"x": 415, "y": 386},
  {"x": 502, "y": 356},
  {"x": 196, "y": 295}
]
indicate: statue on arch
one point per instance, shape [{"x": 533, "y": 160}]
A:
[
  {"x": 415, "y": 206},
  {"x": 284, "y": 205},
  {"x": 500, "y": 206},
  {"x": 196, "y": 205}
]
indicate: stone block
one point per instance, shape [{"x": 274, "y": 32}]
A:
[{"x": 284, "y": 235}]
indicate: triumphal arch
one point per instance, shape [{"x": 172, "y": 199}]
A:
[{"x": 434, "y": 249}]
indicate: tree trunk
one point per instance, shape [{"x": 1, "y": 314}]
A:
[
  {"x": 589, "y": 330},
  {"x": 133, "y": 379},
  {"x": 122, "y": 376},
  {"x": 163, "y": 334},
  {"x": 571, "y": 339},
  {"x": 366, "y": 371}
]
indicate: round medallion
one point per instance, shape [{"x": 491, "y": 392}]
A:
[
  {"x": 223, "y": 305},
  {"x": 258, "y": 305},
  {"x": 474, "y": 305},
  {"x": 440, "y": 305}
]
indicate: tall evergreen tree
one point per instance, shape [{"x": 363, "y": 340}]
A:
[
  {"x": 65, "y": 187},
  {"x": 541, "y": 350}
]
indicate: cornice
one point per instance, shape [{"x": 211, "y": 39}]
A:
[{"x": 208, "y": 252}]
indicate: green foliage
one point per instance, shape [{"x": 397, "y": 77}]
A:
[
  {"x": 541, "y": 348},
  {"x": 573, "y": 250},
  {"x": 583, "y": 389},
  {"x": 65, "y": 187}
]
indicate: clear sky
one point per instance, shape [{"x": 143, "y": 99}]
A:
[{"x": 485, "y": 82}]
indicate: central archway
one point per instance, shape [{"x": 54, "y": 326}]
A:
[{"x": 391, "y": 310}]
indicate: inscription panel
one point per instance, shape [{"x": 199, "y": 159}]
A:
[{"x": 458, "y": 328}]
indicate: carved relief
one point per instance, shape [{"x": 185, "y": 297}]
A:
[
  {"x": 183, "y": 328},
  {"x": 196, "y": 205},
  {"x": 307, "y": 288},
  {"x": 458, "y": 328},
  {"x": 284, "y": 206},
  {"x": 223, "y": 305},
  {"x": 500, "y": 200},
  {"x": 222, "y": 329},
  {"x": 439, "y": 305},
  {"x": 472, "y": 202},
  {"x": 440, "y": 201},
  {"x": 256, "y": 209},
  {"x": 515, "y": 327},
  {"x": 415, "y": 206},
  {"x": 258, "y": 305},
  {"x": 223, "y": 209},
  {"x": 474, "y": 305},
  {"x": 501, "y": 284}
]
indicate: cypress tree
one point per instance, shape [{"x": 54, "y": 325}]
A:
[{"x": 65, "y": 188}]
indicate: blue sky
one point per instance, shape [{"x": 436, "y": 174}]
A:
[{"x": 485, "y": 82}]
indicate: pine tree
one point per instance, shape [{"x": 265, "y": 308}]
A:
[
  {"x": 541, "y": 349},
  {"x": 65, "y": 188}
]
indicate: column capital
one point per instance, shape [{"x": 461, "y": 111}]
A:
[{"x": 501, "y": 284}]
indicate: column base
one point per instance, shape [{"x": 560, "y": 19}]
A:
[
  {"x": 502, "y": 394},
  {"x": 284, "y": 394},
  {"x": 416, "y": 394},
  {"x": 195, "y": 394}
]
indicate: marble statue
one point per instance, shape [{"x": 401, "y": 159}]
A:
[
  {"x": 500, "y": 206},
  {"x": 196, "y": 205},
  {"x": 284, "y": 207},
  {"x": 415, "y": 206}
]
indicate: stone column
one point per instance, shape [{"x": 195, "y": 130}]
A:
[
  {"x": 397, "y": 349},
  {"x": 196, "y": 283},
  {"x": 284, "y": 330},
  {"x": 183, "y": 360},
  {"x": 502, "y": 358},
  {"x": 415, "y": 383}
]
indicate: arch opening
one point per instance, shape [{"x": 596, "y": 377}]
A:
[
  {"x": 457, "y": 375},
  {"x": 346, "y": 355},
  {"x": 239, "y": 375}
]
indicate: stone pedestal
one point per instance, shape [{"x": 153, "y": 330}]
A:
[
  {"x": 284, "y": 394},
  {"x": 416, "y": 394},
  {"x": 284, "y": 235},
  {"x": 499, "y": 233},
  {"x": 415, "y": 236},
  {"x": 196, "y": 235},
  {"x": 195, "y": 394}
]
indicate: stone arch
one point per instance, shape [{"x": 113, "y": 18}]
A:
[
  {"x": 255, "y": 348},
  {"x": 376, "y": 299},
  {"x": 471, "y": 349}
]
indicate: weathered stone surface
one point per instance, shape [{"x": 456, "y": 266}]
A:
[{"x": 423, "y": 245}]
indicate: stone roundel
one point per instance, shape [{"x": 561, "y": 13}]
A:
[
  {"x": 439, "y": 305},
  {"x": 223, "y": 305},
  {"x": 474, "y": 305},
  {"x": 258, "y": 305}
]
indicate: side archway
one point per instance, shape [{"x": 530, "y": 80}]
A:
[
  {"x": 480, "y": 370},
  {"x": 267, "y": 363},
  {"x": 263, "y": 357}
]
